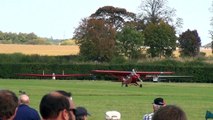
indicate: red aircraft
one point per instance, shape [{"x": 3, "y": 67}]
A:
[
  {"x": 53, "y": 75},
  {"x": 132, "y": 77}
]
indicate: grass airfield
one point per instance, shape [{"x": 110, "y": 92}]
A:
[{"x": 132, "y": 102}]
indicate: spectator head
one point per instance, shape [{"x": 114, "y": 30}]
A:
[
  {"x": 24, "y": 99},
  {"x": 81, "y": 113},
  {"x": 55, "y": 106},
  {"x": 68, "y": 95},
  {"x": 8, "y": 104},
  {"x": 158, "y": 103},
  {"x": 64, "y": 93},
  {"x": 170, "y": 112}
]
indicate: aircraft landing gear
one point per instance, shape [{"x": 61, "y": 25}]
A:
[
  {"x": 126, "y": 85},
  {"x": 122, "y": 84}
]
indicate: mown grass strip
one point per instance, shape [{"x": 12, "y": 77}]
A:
[{"x": 133, "y": 102}]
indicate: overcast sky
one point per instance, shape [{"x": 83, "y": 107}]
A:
[{"x": 59, "y": 18}]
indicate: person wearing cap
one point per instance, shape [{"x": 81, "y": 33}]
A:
[
  {"x": 25, "y": 112},
  {"x": 157, "y": 104},
  {"x": 81, "y": 113}
]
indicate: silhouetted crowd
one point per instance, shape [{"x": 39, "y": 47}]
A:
[{"x": 59, "y": 105}]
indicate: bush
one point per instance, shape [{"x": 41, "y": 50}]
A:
[{"x": 117, "y": 60}]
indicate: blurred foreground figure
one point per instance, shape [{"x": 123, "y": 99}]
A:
[
  {"x": 170, "y": 112},
  {"x": 56, "y": 106},
  {"x": 68, "y": 95},
  {"x": 8, "y": 104}
]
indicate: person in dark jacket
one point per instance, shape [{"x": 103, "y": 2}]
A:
[{"x": 25, "y": 112}]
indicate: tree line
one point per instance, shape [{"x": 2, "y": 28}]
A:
[
  {"x": 21, "y": 38},
  {"x": 113, "y": 32}
]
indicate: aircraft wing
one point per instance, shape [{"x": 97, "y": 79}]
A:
[
  {"x": 112, "y": 72},
  {"x": 174, "y": 76},
  {"x": 153, "y": 73},
  {"x": 125, "y": 73},
  {"x": 53, "y": 75},
  {"x": 117, "y": 72},
  {"x": 167, "y": 77}
]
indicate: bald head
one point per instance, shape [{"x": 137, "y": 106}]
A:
[{"x": 24, "y": 99}]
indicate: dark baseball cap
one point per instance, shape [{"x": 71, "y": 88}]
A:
[
  {"x": 81, "y": 111},
  {"x": 159, "y": 101}
]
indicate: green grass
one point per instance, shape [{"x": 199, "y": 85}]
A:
[{"x": 133, "y": 102}]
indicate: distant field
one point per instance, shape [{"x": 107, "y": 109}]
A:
[
  {"x": 54, "y": 50},
  {"x": 132, "y": 102},
  {"x": 50, "y": 50},
  {"x": 207, "y": 51}
]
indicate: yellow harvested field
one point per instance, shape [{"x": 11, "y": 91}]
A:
[
  {"x": 50, "y": 50},
  {"x": 55, "y": 50},
  {"x": 208, "y": 51}
]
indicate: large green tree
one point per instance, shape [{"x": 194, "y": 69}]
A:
[
  {"x": 96, "y": 40},
  {"x": 157, "y": 20},
  {"x": 155, "y": 11},
  {"x": 160, "y": 38},
  {"x": 96, "y": 34},
  {"x": 212, "y": 41},
  {"x": 190, "y": 43},
  {"x": 114, "y": 16},
  {"x": 129, "y": 42}
]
